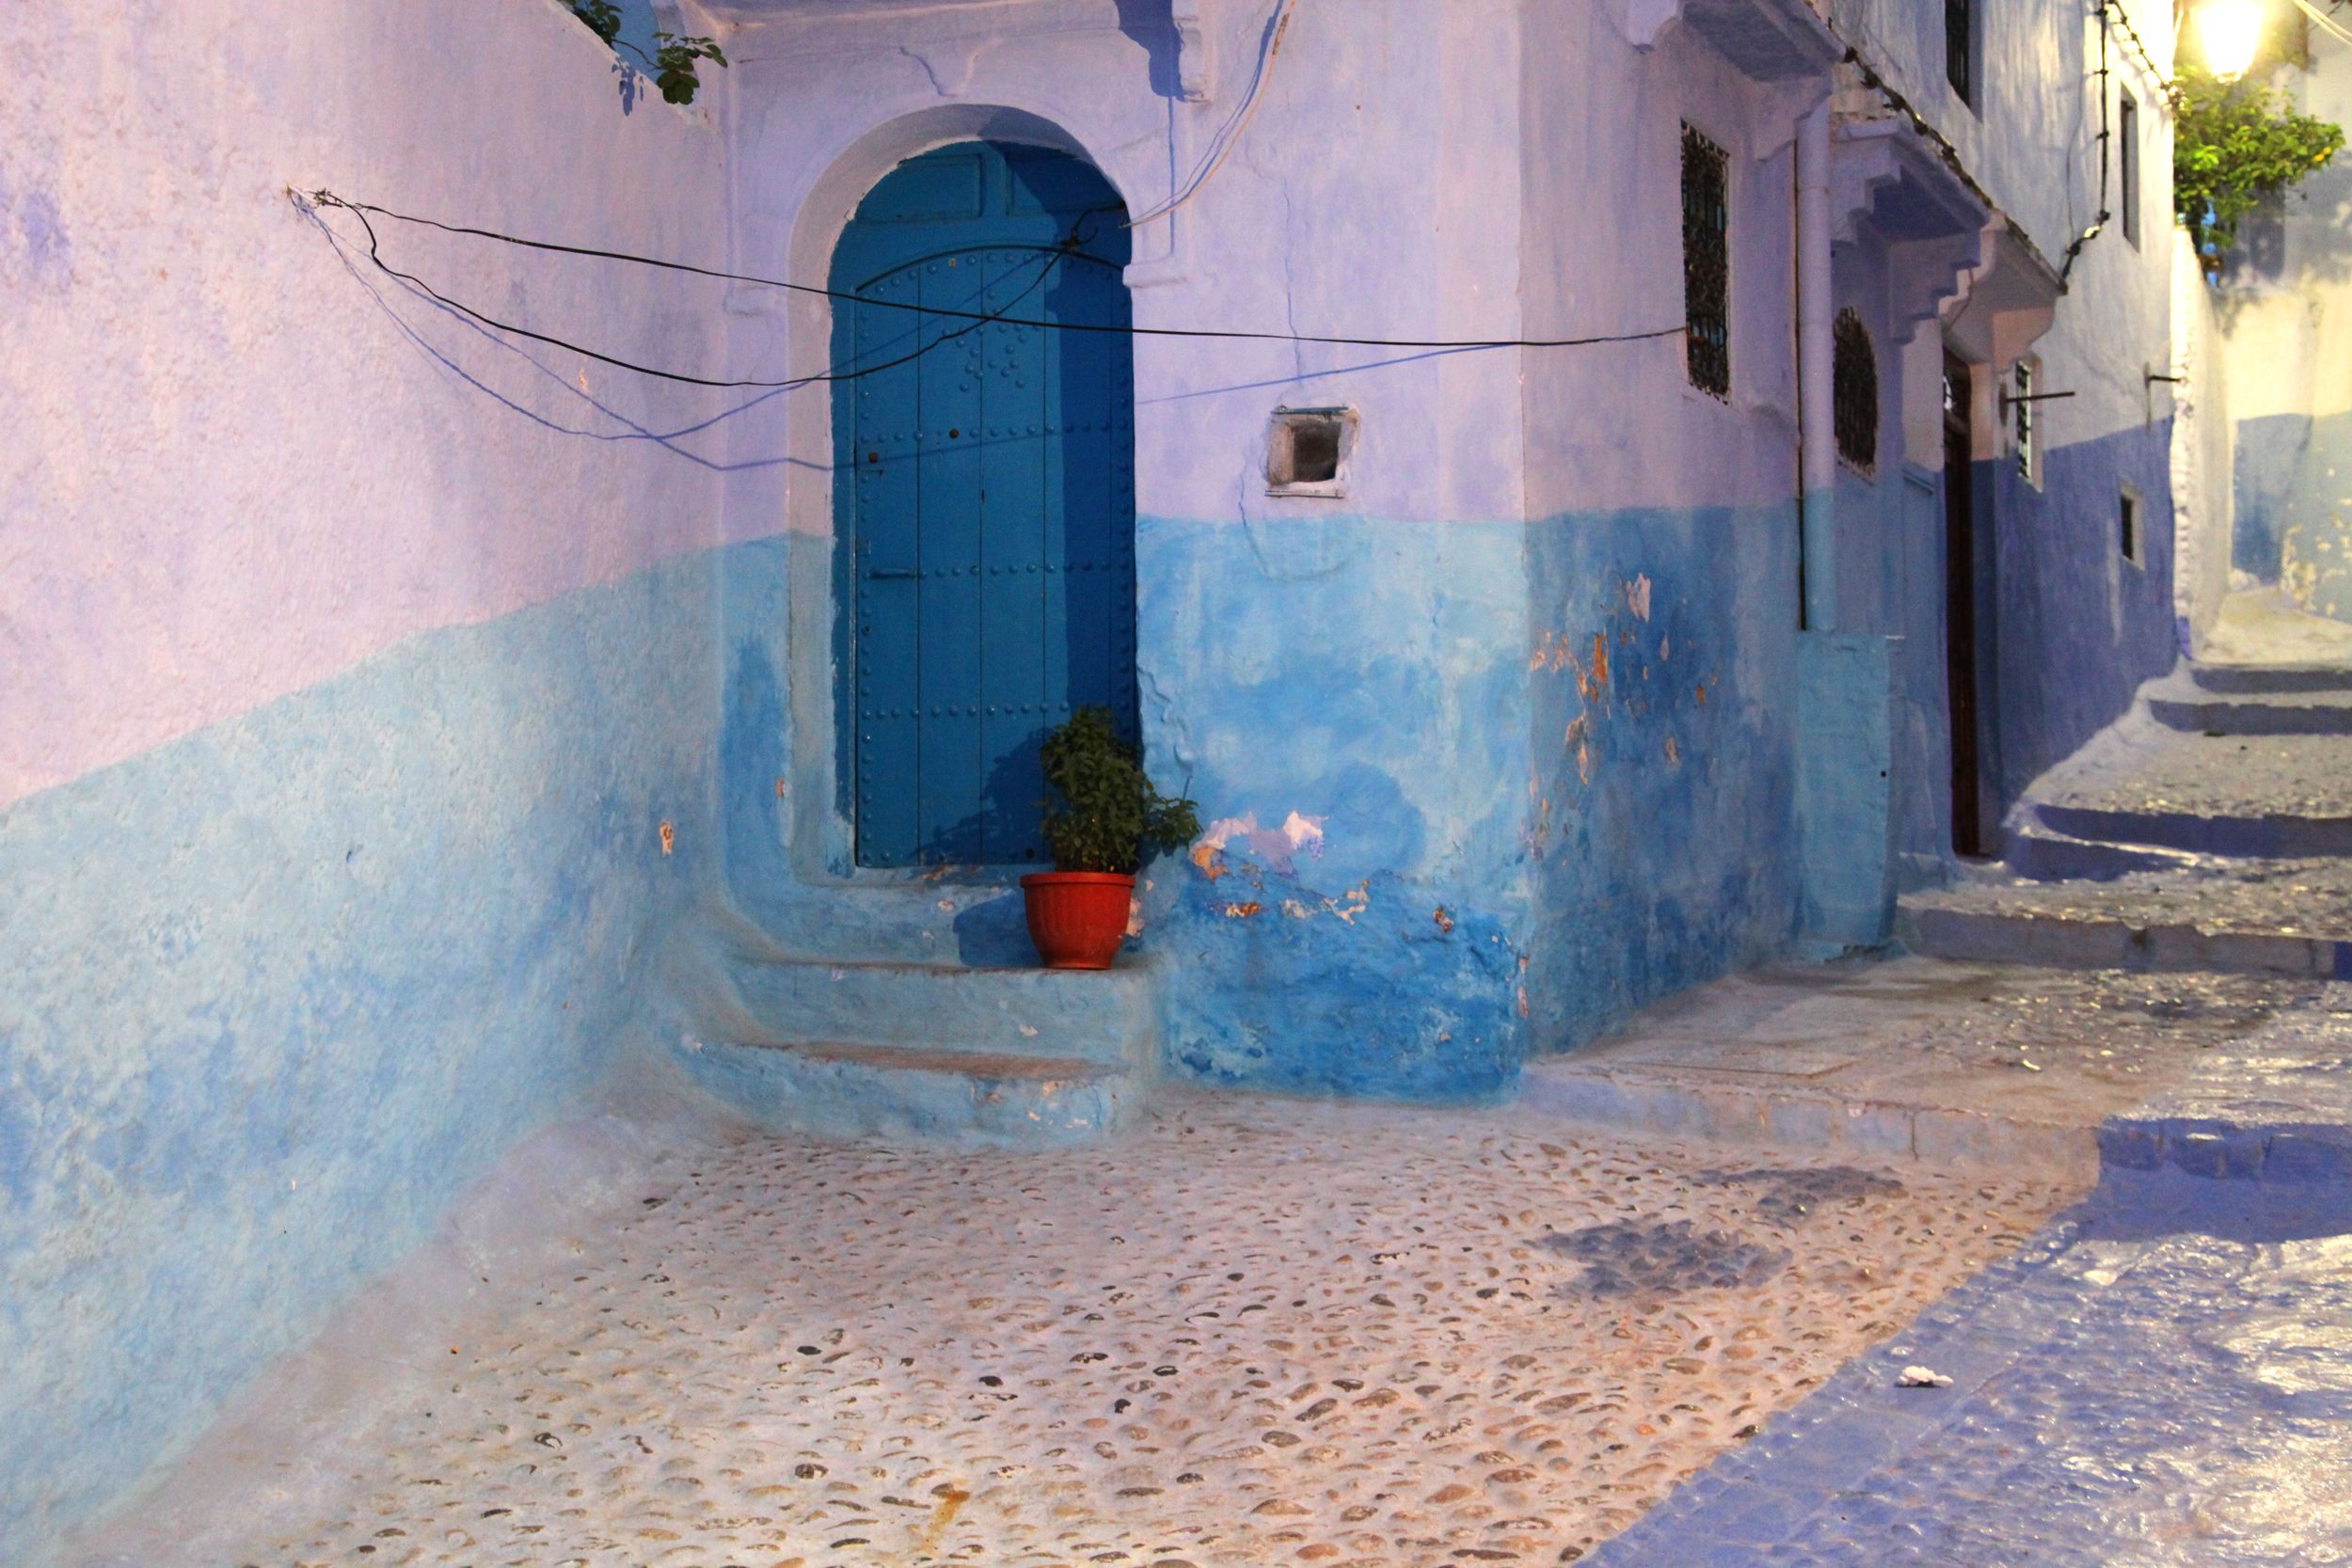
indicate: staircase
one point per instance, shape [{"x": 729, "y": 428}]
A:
[
  {"x": 901, "y": 1010},
  {"x": 2209, "y": 830}
]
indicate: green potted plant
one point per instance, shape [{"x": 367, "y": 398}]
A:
[{"x": 1111, "y": 820}]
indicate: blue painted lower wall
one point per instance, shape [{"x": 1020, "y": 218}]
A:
[
  {"x": 273, "y": 994},
  {"x": 2293, "y": 520},
  {"x": 1445, "y": 828},
  {"x": 1347, "y": 700},
  {"x": 2075, "y": 628},
  {"x": 2270, "y": 489},
  {"x": 1663, "y": 708},
  {"x": 1846, "y": 713}
]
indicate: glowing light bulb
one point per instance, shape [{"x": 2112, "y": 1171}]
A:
[{"x": 2229, "y": 31}]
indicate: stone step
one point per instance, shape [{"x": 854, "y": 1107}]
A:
[
  {"x": 1787, "y": 1111},
  {"x": 2276, "y": 1108},
  {"x": 2271, "y": 678},
  {"x": 2040, "y": 853},
  {"x": 2185, "y": 701},
  {"x": 1960, "y": 924},
  {"x": 1107, "y": 1016},
  {"x": 2261, "y": 836},
  {"x": 861, "y": 1046},
  {"x": 853, "y": 1090},
  {"x": 941, "y": 922}
]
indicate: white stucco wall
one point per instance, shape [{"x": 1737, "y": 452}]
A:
[
  {"x": 2203, "y": 440},
  {"x": 2030, "y": 141},
  {"x": 2289, "y": 328},
  {"x": 1602, "y": 192},
  {"x": 2284, "y": 302}
]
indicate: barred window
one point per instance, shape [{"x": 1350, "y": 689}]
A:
[
  {"x": 2021, "y": 417},
  {"x": 1707, "y": 262},
  {"x": 1959, "y": 49},
  {"x": 1854, "y": 391}
]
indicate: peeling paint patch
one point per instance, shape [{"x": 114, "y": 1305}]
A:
[
  {"x": 1445, "y": 921},
  {"x": 1674, "y": 753},
  {"x": 1244, "y": 912},
  {"x": 1278, "y": 848},
  {"x": 1305, "y": 833},
  {"x": 1637, "y": 596}
]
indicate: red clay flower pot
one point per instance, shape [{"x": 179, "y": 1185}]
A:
[{"x": 1077, "y": 918}]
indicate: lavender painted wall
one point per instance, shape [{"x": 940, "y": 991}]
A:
[{"x": 351, "y": 663}]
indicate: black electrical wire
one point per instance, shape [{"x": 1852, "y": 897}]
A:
[
  {"x": 974, "y": 320},
  {"x": 2066, "y": 263},
  {"x": 2116, "y": 13},
  {"x": 362, "y": 209}
]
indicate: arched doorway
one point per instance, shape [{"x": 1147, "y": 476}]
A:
[{"x": 984, "y": 497}]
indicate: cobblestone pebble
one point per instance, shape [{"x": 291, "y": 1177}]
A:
[{"x": 1248, "y": 1332}]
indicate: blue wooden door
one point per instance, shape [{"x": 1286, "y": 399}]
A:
[{"x": 988, "y": 535}]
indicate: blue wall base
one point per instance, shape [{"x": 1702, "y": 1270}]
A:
[{"x": 1846, "y": 685}]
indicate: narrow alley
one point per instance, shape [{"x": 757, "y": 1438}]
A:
[{"x": 1182, "y": 783}]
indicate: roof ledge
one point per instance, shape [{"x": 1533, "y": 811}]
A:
[
  {"x": 1769, "y": 40},
  {"x": 1887, "y": 184},
  {"x": 2010, "y": 301}
]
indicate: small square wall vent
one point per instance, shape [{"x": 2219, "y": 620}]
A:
[{"x": 1307, "y": 451}]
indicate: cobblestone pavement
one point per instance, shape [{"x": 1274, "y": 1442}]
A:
[
  {"x": 1248, "y": 1332},
  {"x": 2164, "y": 1380},
  {"x": 2293, "y": 897},
  {"x": 2062, "y": 1049},
  {"x": 2151, "y": 770}
]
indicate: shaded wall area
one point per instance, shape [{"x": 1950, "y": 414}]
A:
[
  {"x": 352, "y": 663},
  {"x": 2075, "y": 627}
]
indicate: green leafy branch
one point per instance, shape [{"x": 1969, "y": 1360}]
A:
[
  {"x": 1115, "y": 817},
  {"x": 2234, "y": 144},
  {"x": 674, "y": 60}
]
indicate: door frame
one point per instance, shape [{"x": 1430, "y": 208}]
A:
[
  {"x": 1967, "y": 568},
  {"x": 848, "y": 544},
  {"x": 793, "y": 610}
]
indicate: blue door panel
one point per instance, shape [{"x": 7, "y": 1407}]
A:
[{"x": 989, "y": 533}]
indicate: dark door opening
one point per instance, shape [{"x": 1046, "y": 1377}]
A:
[{"x": 1960, "y": 612}]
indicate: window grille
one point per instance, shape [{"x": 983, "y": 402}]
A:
[
  {"x": 1959, "y": 40},
  {"x": 1707, "y": 262},
  {"x": 1854, "y": 391},
  {"x": 2021, "y": 417}
]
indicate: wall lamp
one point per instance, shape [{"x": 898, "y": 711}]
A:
[{"x": 2228, "y": 33}]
